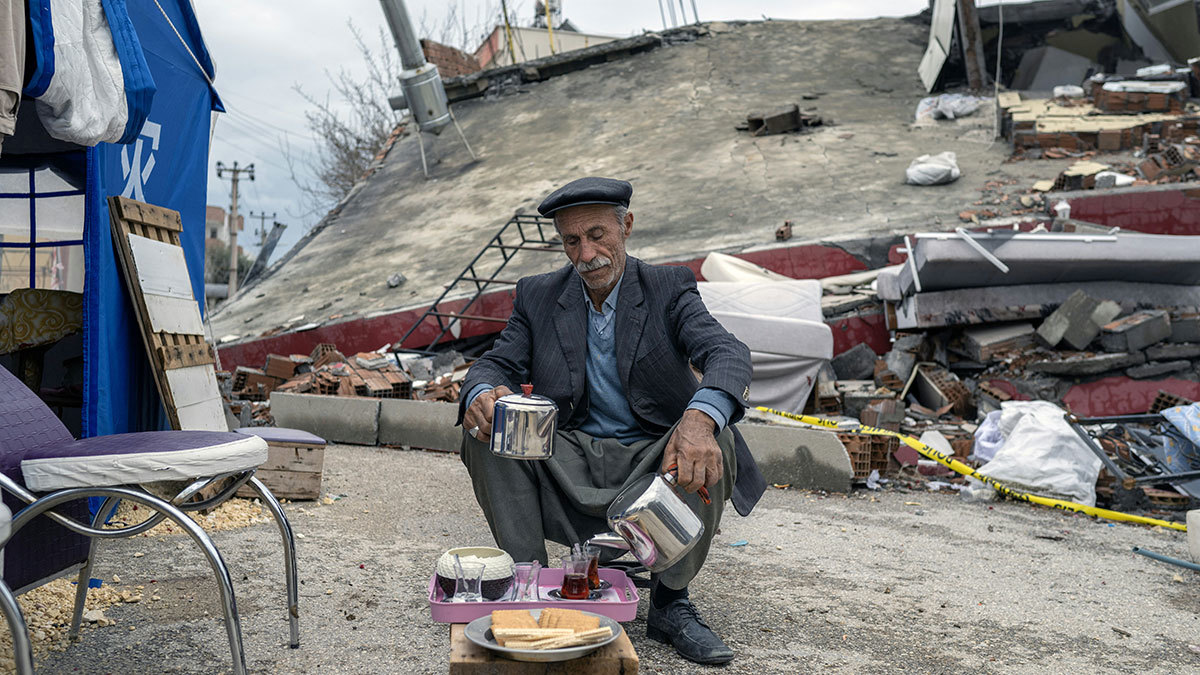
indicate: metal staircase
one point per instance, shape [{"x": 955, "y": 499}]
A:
[{"x": 522, "y": 233}]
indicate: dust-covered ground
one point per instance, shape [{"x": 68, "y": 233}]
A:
[{"x": 897, "y": 580}]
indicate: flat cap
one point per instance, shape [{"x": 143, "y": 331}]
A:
[{"x": 590, "y": 190}]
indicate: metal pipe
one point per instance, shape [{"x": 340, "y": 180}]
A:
[
  {"x": 22, "y": 649},
  {"x": 411, "y": 54},
  {"x": 966, "y": 236},
  {"x": 671, "y": 10},
  {"x": 289, "y": 557},
  {"x": 1167, "y": 559},
  {"x": 233, "y": 626},
  {"x": 682, "y": 12},
  {"x": 662, "y": 14},
  {"x": 85, "y": 574},
  {"x": 694, "y": 12}
]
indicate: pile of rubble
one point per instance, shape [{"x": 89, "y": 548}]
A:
[
  {"x": 979, "y": 319},
  {"x": 328, "y": 372}
]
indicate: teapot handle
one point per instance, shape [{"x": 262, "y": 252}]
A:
[{"x": 671, "y": 476}]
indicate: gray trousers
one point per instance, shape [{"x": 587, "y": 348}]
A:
[{"x": 565, "y": 498}]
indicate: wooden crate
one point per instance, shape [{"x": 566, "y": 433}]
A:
[
  {"x": 292, "y": 471},
  {"x": 468, "y": 658}
]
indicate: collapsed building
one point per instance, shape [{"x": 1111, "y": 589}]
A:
[{"x": 1059, "y": 267}]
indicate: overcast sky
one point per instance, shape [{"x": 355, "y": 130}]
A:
[{"x": 262, "y": 48}]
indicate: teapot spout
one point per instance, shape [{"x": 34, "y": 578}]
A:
[{"x": 609, "y": 540}]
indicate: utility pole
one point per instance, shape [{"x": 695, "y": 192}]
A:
[
  {"x": 262, "y": 226},
  {"x": 235, "y": 174}
]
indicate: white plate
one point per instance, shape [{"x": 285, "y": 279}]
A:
[{"x": 479, "y": 631}]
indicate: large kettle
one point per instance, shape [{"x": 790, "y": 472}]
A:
[
  {"x": 523, "y": 425},
  {"x": 652, "y": 522}
]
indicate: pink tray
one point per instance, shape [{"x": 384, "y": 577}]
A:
[{"x": 618, "y": 603}]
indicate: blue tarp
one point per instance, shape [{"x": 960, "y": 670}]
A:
[{"x": 167, "y": 165}]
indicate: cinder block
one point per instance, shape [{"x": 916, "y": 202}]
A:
[
  {"x": 1077, "y": 321},
  {"x": 856, "y": 363},
  {"x": 1136, "y": 331},
  {"x": 419, "y": 424},
  {"x": 808, "y": 459},
  {"x": 338, "y": 419}
]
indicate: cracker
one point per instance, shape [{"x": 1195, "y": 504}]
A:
[{"x": 513, "y": 618}]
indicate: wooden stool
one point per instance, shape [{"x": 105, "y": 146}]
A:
[
  {"x": 295, "y": 462},
  {"x": 468, "y": 658}
]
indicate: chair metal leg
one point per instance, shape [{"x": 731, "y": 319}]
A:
[
  {"x": 22, "y": 649},
  {"x": 85, "y": 574},
  {"x": 233, "y": 627},
  {"x": 289, "y": 557}
]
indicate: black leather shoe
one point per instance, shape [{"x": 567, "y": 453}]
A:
[{"x": 679, "y": 625}]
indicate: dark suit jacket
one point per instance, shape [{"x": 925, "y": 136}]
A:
[{"x": 661, "y": 326}]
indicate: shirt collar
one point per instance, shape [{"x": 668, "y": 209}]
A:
[{"x": 610, "y": 303}]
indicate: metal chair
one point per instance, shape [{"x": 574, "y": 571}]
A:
[{"x": 38, "y": 455}]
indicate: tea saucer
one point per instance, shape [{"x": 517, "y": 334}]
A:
[{"x": 556, "y": 594}]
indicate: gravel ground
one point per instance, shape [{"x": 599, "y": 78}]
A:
[{"x": 864, "y": 582}]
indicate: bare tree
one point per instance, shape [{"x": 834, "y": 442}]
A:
[{"x": 352, "y": 123}]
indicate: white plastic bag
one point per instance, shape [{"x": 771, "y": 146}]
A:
[
  {"x": 988, "y": 437},
  {"x": 1042, "y": 454},
  {"x": 933, "y": 169},
  {"x": 1068, "y": 91}
]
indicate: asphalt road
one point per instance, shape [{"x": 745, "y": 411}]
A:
[{"x": 912, "y": 581}]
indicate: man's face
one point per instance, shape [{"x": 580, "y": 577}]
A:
[{"x": 594, "y": 240}]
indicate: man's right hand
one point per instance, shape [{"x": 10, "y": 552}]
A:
[{"x": 479, "y": 414}]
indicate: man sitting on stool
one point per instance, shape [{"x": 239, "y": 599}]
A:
[{"x": 609, "y": 339}]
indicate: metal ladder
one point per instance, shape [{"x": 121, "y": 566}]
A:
[{"x": 524, "y": 232}]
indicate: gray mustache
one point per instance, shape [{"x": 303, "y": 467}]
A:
[{"x": 596, "y": 263}]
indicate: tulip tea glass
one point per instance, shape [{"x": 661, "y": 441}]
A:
[
  {"x": 525, "y": 581},
  {"x": 575, "y": 578},
  {"x": 467, "y": 587}
]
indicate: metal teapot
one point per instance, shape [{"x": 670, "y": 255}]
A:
[
  {"x": 652, "y": 522},
  {"x": 523, "y": 425}
]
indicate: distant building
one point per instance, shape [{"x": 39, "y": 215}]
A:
[
  {"x": 216, "y": 225},
  {"x": 532, "y": 43}
]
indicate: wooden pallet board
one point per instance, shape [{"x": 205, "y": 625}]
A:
[{"x": 146, "y": 239}]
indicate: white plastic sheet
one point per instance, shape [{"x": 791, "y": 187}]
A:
[
  {"x": 949, "y": 106},
  {"x": 988, "y": 437},
  {"x": 933, "y": 169},
  {"x": 1042, "y": 454}
]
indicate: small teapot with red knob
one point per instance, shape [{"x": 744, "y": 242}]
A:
[{"x": 523, "y": 425}]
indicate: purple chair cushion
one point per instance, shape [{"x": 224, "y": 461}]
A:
[
  {"x": 43, "y": 548},
  {"x": 25, "y": 422},
  {"x": 145, "y": 457},
  {"x": 283, "y": 436}
]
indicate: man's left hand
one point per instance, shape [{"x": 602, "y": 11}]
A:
[{"x": 694, "y": 448}]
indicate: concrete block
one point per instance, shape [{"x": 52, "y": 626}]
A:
[
  {"x": 1185, "y": 327},
  {"x": 1077, "y": 321},
  {"x": 808, "y": 459},
  {"x": 1156, "y": 368},
  {"x": 419, "y": 424},
  {"x": 1136, "y": 331},
  {"x": 984, "y": 342},
  {"x": 337, "y": 419},
  {"x": 856, "y": 363},
  {"x": 1173, "y": 351},
  {"x": 900, "y": 362},
  {"x": 1078, "y": 366}
]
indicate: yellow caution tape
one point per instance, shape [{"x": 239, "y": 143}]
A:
[{"x": 958, "y": 467}]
